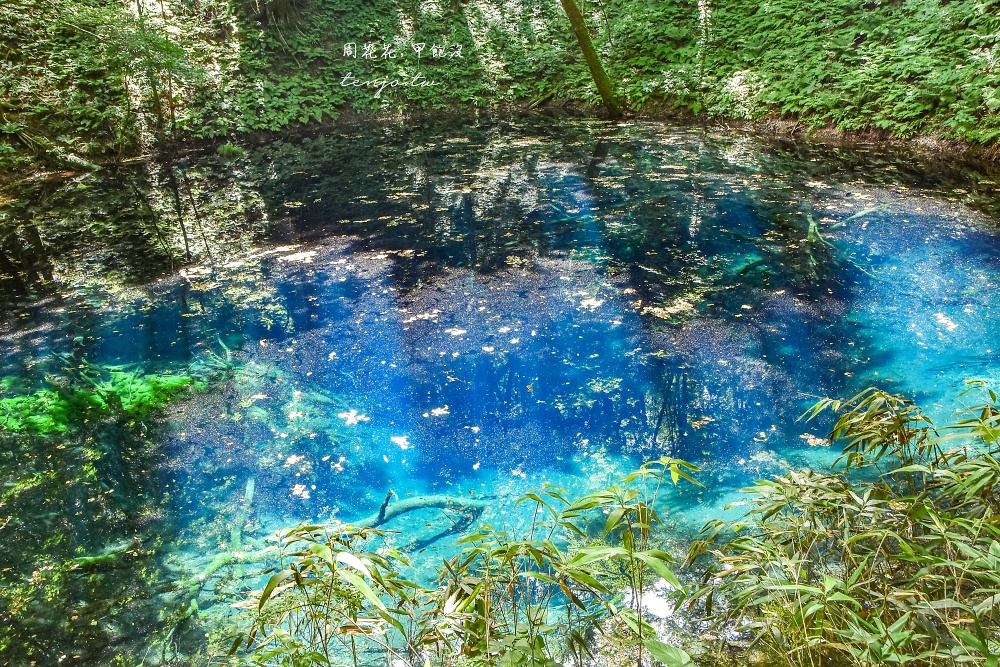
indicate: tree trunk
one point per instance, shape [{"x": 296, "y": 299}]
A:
[{"x": 601, "y": 79}]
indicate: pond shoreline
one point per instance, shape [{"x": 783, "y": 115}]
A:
[
  {"x": 954, "y": 152},
  {"x": 986, "y": 156}
]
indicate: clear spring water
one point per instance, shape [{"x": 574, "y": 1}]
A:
[{"x": 470, "y": 310}]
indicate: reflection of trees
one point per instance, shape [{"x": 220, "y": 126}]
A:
[
  {"x": 113, "y": 230},
  {"x": 480, "y": 194},
  {"x": 454, "y": 194},
  {"x": 703, "y": 234},
  {"x": 538, "y": 377},
  {"x": 448, "y": 200},
  {"x": 81, "y": 232},
  {"x": 95, "y": 495},
  {"x": 701, "y": 238},
  {"x": 23, "y": 260}
]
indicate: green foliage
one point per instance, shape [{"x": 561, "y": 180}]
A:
[
  {"x": 902, "y": 569},
  {"x": 914, "y": 67},
  {"x": 230, "y": 151},
  {"x": 56, "y": 409},
  {"x": 65, "y": 78},
  {"x": 57, "y": 98},
  {"x": 508, "y": 599},
  {"x": 83, "y": 81}
]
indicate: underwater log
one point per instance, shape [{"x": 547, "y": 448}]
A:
[
  {"x": 389, "y": 511},
  {"x": 467, "y": 509}
]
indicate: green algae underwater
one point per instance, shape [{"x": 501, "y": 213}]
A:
[{"x": 198, "y": 354}]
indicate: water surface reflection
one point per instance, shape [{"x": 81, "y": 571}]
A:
[{"x": 472, "y": 310}]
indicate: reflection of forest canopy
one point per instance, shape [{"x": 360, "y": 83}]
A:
[
  {"x": 442, "y": 207},
  {"x": 473, "y": 201}
]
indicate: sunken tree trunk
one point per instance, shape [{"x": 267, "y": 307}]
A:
[{"x": 601, "y": 79}]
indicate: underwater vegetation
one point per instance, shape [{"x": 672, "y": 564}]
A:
[
  {"x": 81, "y": 517},
  {"x": 126, "y": 394}
]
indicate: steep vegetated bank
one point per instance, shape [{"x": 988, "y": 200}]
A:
[
  {"x": 101, "y": 79},
  {"x": 62, "y": 94}
]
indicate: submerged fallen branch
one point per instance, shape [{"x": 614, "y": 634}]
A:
[
  {"x": 461, "y": 513},
  {"x": 115, "y": 556},
  {"x": 390, "y": 510}
]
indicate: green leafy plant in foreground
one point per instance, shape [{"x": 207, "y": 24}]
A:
[
  {"x": 893, "y": 558},
  {"x": 510, "y": 598},
  {"x": 897, "y": 567}
]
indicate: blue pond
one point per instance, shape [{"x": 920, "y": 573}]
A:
[{"x": 477, "y": 310}]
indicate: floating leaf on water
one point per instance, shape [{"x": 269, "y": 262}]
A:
[
  {"x": 814, "y": 441},
  {"x": 945, "y": 321},
  {"x": 352, "y": 417}
]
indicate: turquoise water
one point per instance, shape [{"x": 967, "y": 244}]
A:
[{"x": 468, "y": 310}]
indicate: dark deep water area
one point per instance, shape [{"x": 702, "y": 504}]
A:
[{"x": 469, "y": 309}]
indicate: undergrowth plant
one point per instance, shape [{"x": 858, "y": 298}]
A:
[
  {"x": 893, "y": 558},
  {"x": 208, "y": 69}
]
